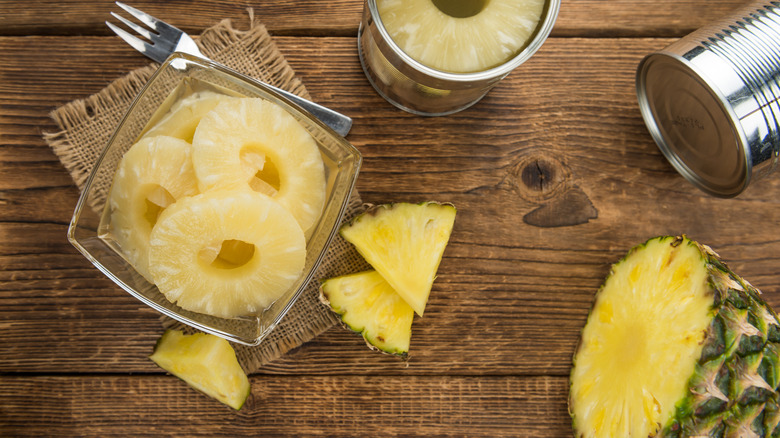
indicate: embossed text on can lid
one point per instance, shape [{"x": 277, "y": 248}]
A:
[{"x": 694, "y": 124}]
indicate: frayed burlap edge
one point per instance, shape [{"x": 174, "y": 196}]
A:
[
  {"x": 73, "y": 116},
  {"x": 86, "y": 125}
]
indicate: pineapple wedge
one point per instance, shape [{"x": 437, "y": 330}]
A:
[
  {"x": 461, "y": 36},
  {"x": 404, "y": 242},
  {"x": 206, "y": 363},
  {"x": 226, "y": 253},
  {"x": 255, "y": 143},
  {"x": 369, "y": 306},
  {"x": 676, "y": 344}
]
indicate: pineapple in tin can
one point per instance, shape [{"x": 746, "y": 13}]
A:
[{"x": 676, "y": 345}]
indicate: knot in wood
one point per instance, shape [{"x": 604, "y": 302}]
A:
[{"x": 538, "y": 177}]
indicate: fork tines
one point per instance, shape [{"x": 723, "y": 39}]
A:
[{"x": 160, "y": 44}]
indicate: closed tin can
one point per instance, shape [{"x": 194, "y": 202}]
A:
[
  {"x": 419, "y": 89},
  {"x": 710, "y": 100}
]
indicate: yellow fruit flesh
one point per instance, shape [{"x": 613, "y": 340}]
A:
[
  {"x": 226, "y": 253},
  {"x": 205, "y": 362},
  {"x": 370, "y": 306},
  {"x": 641, "y": 344},
  {"x": 464, "y": 43},
  {"x": 147, "y": 184},
  {"x": 405, "y": 244},
  {"x": 183, "y": 117},
  {"x": 255, "y": 143},
  {"x": 152, "y": 175}
]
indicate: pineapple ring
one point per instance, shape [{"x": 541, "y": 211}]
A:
[
  {"x": 460, "y": 44},
  {"x": 183, "y": 117},
  {"x": 243, "y": 139},
  {"x": 243, "y": 283},
  {"x": 153, "y": 174}
]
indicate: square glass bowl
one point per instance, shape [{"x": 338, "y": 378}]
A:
[{"x": 179, "y": 75}]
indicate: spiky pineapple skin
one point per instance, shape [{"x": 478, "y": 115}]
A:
[
  {"x": 383, "y": 242},
  {"x": 368, "y": 306},
  {"x": 733, "y": 391},
  {"x": 740, "y": 358}
]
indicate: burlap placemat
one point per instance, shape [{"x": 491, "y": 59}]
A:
[{"x": 86, "y": 125}]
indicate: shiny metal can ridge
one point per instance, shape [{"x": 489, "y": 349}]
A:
[
  {"x": 422, "y": 90},
  {"x": 710, "y": 100}
]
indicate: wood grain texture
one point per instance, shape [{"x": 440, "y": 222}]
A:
[
  {"x": 341, "y": 17},
  {"x": 511, "y": 295},
  {"x": 553, "y": 173},
  {"x": 341, "y": 406}
]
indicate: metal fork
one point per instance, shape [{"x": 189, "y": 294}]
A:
[{"x": 165, "y": 39}]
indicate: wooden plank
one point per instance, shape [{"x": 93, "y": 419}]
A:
[
  {"x": 341, "y": 17},
  {"x": 525, "y": 258},
  {"x": 343, "y": 406}
]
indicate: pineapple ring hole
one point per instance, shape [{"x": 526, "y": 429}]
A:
[
  {"x": 156, "y": 202},
  {"x": 265, "y": 175},
  {"x": 227, "y": 254},
  {"x": 461, "y": 8}
]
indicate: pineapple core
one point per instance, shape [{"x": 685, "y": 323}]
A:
[{"x": 642, "y": 342}]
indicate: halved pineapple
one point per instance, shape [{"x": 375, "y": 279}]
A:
[
  {"x": 405, "y": 243},
  {"x": 226, "y": 253},
  {"x": 369, "y": 306},
  {"x": 676, "y": 344},
  {"x": 460, "y": 36},
  {"x": 153, "y": 174},
  {"x": 255, "y": 143},
  {"x": 184, "y": 116},
  {"x": 206, "y": 362}
]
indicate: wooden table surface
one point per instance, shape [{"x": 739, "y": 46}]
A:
[{"x": 492, "y": 355}]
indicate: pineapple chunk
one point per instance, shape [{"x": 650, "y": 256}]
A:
[
  {"x": 405, "y": 243},
  {"x": 206, "y": 363},
  {"x": 463, "y": 36},
  {"x": 226, "y": 253},
  {"x": 676, "y": 344},
  {"x": 369, "y": 306},
  {"x": 184, "y": 116},
  {"x": 153, "y": 174},
  {"x": 257, "y": 144}
]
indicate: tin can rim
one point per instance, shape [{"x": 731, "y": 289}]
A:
[
  {"x": 549, "y": 14},
  {"x": 663, "y": 143}
]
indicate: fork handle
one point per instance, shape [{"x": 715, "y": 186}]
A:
[{"x": 338, "y": 122}]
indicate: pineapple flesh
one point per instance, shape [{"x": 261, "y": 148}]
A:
[
  {"x": 153, "y": 174},
  {"x": 676, "y": 344},
  {"x": 368, "y": 305},
  {"x": 255, "y": 143},
  {"x": 225, "y": 237},
  {"x": 185, "y": 115},
  {"x": 206, "y": 363},
  {"x": 460, "y": 36},
  {"x": 226, "y": 253},
  {"x": 405, "y": 243}
]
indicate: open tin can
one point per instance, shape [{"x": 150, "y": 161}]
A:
[
  {"x": 419, "y": 89},
  {"x": 710, "y": 100}
]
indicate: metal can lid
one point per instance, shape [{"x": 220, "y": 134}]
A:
[{"x": 693, "y": 125}]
